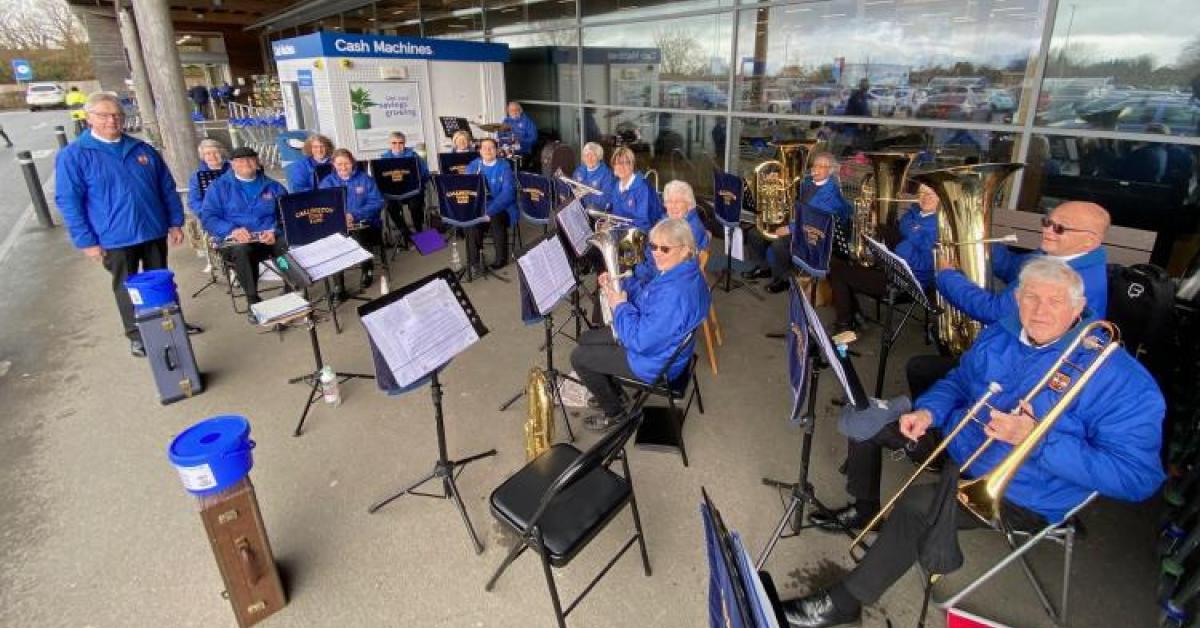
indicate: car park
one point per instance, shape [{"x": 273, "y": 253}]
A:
[{"x": 45, "y": 95}]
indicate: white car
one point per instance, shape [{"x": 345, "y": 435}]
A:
[{"x": 39, "y": 95}]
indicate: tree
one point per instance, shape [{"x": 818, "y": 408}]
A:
[
  {"x": 47, "y": 33},
  {"x": 681, "y": 53}
]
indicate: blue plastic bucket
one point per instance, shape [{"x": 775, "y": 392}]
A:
[
  {"x": 213, "y": 454},
  {"x": 151, "y": 289}
]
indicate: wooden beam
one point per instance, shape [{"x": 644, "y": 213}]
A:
[{"x": 214, "y": 17}]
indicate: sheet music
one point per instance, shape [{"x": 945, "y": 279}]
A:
[
  {"x": 548, "y": 274},
  {"x": 735, "y": 244},
  {"x": 573, "y": 220},
  {"x": 279, "y": 308},
  {"x": 421, "y": 331},
  {"x": 896, "y": 260},
  {"x": 815, "y": 328},
  {"x": 762, "y": 610},
  {"x": 329, "y": 255}
]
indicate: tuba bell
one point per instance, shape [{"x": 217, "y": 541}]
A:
[
  {"x": 539, "y": 418},
  {"x": 873, "y": 205},
  {"x": 967, "y": 195},
  {"x": 775, "y": 183}
]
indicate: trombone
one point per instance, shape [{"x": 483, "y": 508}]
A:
[{"x": 982, "y": 495}]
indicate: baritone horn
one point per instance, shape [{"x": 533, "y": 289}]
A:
[
  {"x": 775, "y": 183},
  {"x": 873, "y": 205},
  {"x": 539, "y": 417},
  {"x": 967, "y": 195},
  {"x": 982, "y": 495},
  {"x": 609, "y": 247}
]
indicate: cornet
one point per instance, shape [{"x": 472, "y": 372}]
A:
[{"x": 580, "y": 190}]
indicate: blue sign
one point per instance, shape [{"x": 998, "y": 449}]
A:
[
  {"x": 304, "y": 78},
  {"x": 326, "y": 44},
  {"x": 22, "y": 71}
]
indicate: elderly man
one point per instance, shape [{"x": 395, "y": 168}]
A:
[
  {"x": 119, "y": 203},
  {"x": 1107, "y": 440},
  {"x": 524, "y": 131}
]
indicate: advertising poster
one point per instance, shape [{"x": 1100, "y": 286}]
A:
[{"x": 380, "y": 107}]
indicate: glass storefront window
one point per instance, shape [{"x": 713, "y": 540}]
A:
[
  {"x": 961, "y": 60},
  {"x": 452, "y": 19},
  {"x": 555, "y": 123},
  {"x": 542, "y": 65},
  {"x": 398, "y": 17},
  {"x": 684, "y": 146},
  {"x": 1123, "y": 66},
  {"x": 606, "y": 10},
  {"x": 682, "y": 64},
  {"x": 505, "y": 16}
]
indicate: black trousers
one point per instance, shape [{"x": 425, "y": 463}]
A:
[
  {"x": 597, "y": 359},
  {"x": 923, "y": 371},
  {"x": 780, "y": 260},
  {"x": 498, "y": 227},
  {"x": 846, "y": 278},
  {"x": 416, "y": 212},
  {"x": 369, "y": 237},
  {"x": 126, "y": 261},
  {"x": 245, "y": 259},
  {"x": 898, "y": 544}
]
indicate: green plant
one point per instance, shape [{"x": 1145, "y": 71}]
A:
[{"x": 360, "y": 100}]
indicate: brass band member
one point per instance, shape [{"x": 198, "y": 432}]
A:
[
  {"x": 651, "y": 318},
  {"x": 212, "y": 157},
  {"x": 521, "y": 129},
  {"x": 398, "y": 147},
  {"x": 1107, "y": 440},
  {"x": 364, "y": 210},
  {"x": 302, "y": 174},
  {"x": 501, "y": 207},
  {"x": 630, "y": 196},
  {"x": 818, "y": 192},
  {"x": 594, "y": 173}
]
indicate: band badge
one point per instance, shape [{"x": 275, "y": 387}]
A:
[
  {"x": 268, "y": 195},
  {"x": 727, "y": 196},
  {"x": 630, "y": 203},
  {"x": 143, "y": 159},
  {"x": 813, "y": 235},
  {"x": 1059, "y": 382},
  {"x": 359, "y": 189},
  {"x": 535, "y": 194}
]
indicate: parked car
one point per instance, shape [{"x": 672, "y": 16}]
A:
[
  {"x": 42, "y": 95},
  {"x": 956, "y": 102},
  {"x": 908, "y": 99},
  {"x": 881, "y": 101},
  {"x": 815, "y": 100}
]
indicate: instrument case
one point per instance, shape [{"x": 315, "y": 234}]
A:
[{"x": 169, "y": 351}]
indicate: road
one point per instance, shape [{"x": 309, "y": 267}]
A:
[{"x": 33, "y": 132}]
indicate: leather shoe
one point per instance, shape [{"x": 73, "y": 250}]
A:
[
  {"x": 757, "y": 273},
  {"x": 817, "y": 611},
  {"x": 848, "y": 516},
  {"x": 368, "y": 278},
  {"x": 136, "y": 348},
  {"x": 193, "y": 330},
  {"x": 775, "y": 287}
]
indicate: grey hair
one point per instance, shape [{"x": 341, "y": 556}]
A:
[
  {"x": 682, "y": 188},
  {"x": 595, "y": 149},
  {"x": 96, "y": 98},
  {"x": 519, "y": 107},
  {"x": 211, "y": 143},
  {"x": 677, "y": 232},
  {"x": 826, "y": 156},
  {"x": 398, "y": 135},
  {"x": 1046, "y": 268}
]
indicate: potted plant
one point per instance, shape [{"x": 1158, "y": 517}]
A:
[{"x": 360, "y": 102}]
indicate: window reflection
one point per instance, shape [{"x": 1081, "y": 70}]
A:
[
  {"x": 555, "y": 124},
  {"x": 675, "y": 145},
  {"x": 542, "y": 65},
  {"x": 512, "y": 15},
  {"x": 452, "y": 19},
  {"x": 603, "y": 10}
]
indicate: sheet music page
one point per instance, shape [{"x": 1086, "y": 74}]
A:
[
  {"x": 574, "y": 221},
  {"x": 279, "y": 307},
  {"x": 421, "y": 331},
  {"x": 735, "y": 244},
  {"x": 548, "y": 273},
  {"x": 331, "y": 254},
  {"x": 896, "y": 260},
  {"x": 827, "y": 348}
]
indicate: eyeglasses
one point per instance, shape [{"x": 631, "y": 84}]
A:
[
  {"x": 401, "y": 142},
  {"x": 106, "y": 116},
  {"x": 1058, "y": 228},
  {"x": 661, "y": 248}
]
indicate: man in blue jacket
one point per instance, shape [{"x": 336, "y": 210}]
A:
[
  {"x": 1107, "y": 440},
  {"x": 501, "y": 207},
  {"x": 398, "y": 143},
  {"x": 239, "y": 209},
  {"x": 119, "y": 203},
  {"x": 522, "y": 129}
]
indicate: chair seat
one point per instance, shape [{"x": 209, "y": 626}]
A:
[
  {"x": 574, "y": 516},
  {"x": 676, "y": 389}
]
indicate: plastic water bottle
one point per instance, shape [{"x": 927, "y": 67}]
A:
[
  {"x": 455, "y": 260},
  {"x": 329, "y": 386}
]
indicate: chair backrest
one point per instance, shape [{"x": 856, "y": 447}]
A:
[
  {"x": 309, "y": 216},
  {"x": 461, "y": 197},
  {"x": 535, "y": 196},
  {"x": 663, "y": 379},
  {"x": 397, "y": 177}
]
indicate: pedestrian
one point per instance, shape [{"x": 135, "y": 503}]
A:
[{"x": 119, "y": 203}]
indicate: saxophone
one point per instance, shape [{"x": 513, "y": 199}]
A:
[{"x": 539, "y": 418}]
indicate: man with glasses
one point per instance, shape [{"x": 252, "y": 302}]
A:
[
  {"x": 119, "y": 203},
  {"x": 397, "y": 143}
]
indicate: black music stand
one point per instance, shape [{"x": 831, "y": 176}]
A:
[
  {"x": 444, "y": 468},
  {"x": 739, "y": 585},
  {"x": 456, "y": 163},
  {"x": 205, "y": 178},
  {"x": 398, "y": 180},
  {"x": 801, "y": 493},
  {"x": 573, "y": 216},
  {"x": 727, "y": 208},
  {"x": 900, "y": 280},
  {"x": 462, "y": 199},
  {"x": 453, "y": 124}
]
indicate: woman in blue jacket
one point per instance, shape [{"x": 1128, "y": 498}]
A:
[
  {"x": 364, "y": 209},
  {"x": 239, "y": 210},
  {"x": 650, "y": 320},
  {"x": 398, "y": 143},
  {"x": 302, "y": 175},
  {"x": 212, "y": 157},
  {"x": 594, "y": 173},
  {"x": 629, "y": 195},
  {"x": 501, "y": 210}
]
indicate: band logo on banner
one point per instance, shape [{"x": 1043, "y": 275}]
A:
[
  {"x": 537, "y": 194},
  {"x": 397, "y": 177},
  {"x": 797, "y": 350},
  {"x": 811, "y": 252},
  {"x": 312, "y": 215},
  {"x": 456, "y": 163},
  {"x": 461, "y": 195}
]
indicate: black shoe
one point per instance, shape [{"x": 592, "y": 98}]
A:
[
  {"x": 600, "y": 422},
  {"x": 340, "y": 296},
  {"x": 136, "y": 348},
  {"x": 757, "y": 273},
  {"x": 817, "y": 611},
  {"x": 368, "y": 278},
  {"x": 848, "y": 516},
  {"x": 193, "y": 330},
  {"x": 775, "y": 287},
  {"x": 251, "y": 318},
  {"x": 497, "y": 265}
]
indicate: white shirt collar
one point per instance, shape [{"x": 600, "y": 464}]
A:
[
  {"x": 1067, "y": 258},
  {"x": 119, "y": 137},
  {"x": 487, "y": 163},
  {"x": 821, "y": 182},
  {"x": 625, "y": 186}
]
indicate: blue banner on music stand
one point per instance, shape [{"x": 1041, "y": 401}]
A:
[
  {"x": 536, "y": 194},
  {"x": 312, "y": 215},
  {"x": 727, "y": 197},
  {"x": 455, "y": 163},
  {"x": 321, "y": 171},
  {"x": 798, "y": 346},
  {"x": 812, "y": 241},
  {"x": 397, "y": 177},
  {"x": 461, "y": 197}
]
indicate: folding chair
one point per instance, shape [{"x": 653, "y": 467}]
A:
[
  {"x": 663, "y": 427},
  {"x": 711, "y": 325}
]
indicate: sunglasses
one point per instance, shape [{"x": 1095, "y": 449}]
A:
[
  {"x": 662, "y": 248},
  {"x": 1058, "y": 228}
]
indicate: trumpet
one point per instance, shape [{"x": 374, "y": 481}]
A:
[
  {"x": 580, "y": 190},
  {"x": 605, "y": 220}
]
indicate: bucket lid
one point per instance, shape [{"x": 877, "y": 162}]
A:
[
  {"x": 158, "y": 275},
  {"x": 209, "y": 438}
]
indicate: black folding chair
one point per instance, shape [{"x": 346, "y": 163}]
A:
[{"x": 663, "y": 427}]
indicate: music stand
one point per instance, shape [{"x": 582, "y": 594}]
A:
[
  {"x": 900, "y": 280},
  {"x": 462, "y": 199},
  {"x": 747, "y": 598},
  {"x": 454, "y": 124},
  {"x": 398, "y": 179},
  {"x": 390, "y": 321},
  {"x": 204, "y": 179},
  {"x": 573, "y": 228},
  {"x": 456, "y": 163},
  {"x": 727, "y": 208},
  {"x": 801, "y": 493},
  {"x": 320, "y": 172}
]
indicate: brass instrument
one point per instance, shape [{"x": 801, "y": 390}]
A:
[
  {"x": 631, "y": 241},
  {"x": 982, "y": 495},
  {"x": 609, "y": 246},
  {"x": 873, "y": 205},
  {"x": 654, "y": 173},
  {"x": 539, "y": 418},
  {"x": 967, "y": 194},
  {"x": 578, "y": 189},
  {"x": 775, "y": 183}
]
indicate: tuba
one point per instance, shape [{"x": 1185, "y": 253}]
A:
[
  {"x": 967, "y": 194},
  {"x": 539, "y": 418},
  {"x": 775, "y": 182},
  {"x": 873, "y": 206}
]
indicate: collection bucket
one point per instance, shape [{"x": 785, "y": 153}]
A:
[
  {"x": 151, "y": 289},
  {"x": 213, "y": 454}
]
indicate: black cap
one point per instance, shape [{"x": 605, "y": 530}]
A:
[{"x": 243, "y": 151}]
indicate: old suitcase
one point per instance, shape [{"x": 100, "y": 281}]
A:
[
  {"x": 239, "y": 542},
  {"x": 169, "y": 351}
]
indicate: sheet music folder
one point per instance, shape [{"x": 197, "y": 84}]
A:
[
  {"x": 546, "y": 275},
  {"x": 900, "y": 274},
  {"x": 839, "y": 363},
  {"x": 428, "y": 334}
]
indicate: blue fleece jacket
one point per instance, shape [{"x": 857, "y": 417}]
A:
[
  {"x": 301, "y": 175},
  {"x": 639, "y": 203},
  {"x": 1107, "y": 440},
  {"x": 918, "y": 234},
  {"x": 364, "y": 202},
  {"x": 656, "y": 317},
  {"x": 826, "y": 198},
  {"x": 502, "y": 192},
  {"x": 422, "y": 167},
  {"x": 988, "y": 307},
  {"x": 195, "y": 194},
  {"x": 601, "y": 179},
  {"x": 523, "y": 131},
  {"x": 232, "y": 203},
  {"x": 115, "y": 196}
]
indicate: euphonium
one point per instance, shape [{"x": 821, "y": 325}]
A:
[
  {"x": 609, "y": 247},
  {"x": 967, "y": 194},
  {"x": 631, "y": 241},
  {"x": 775, "y": 182},
  {"x": 873, "y": 206},
  {"x": 539, "y": 418}
]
